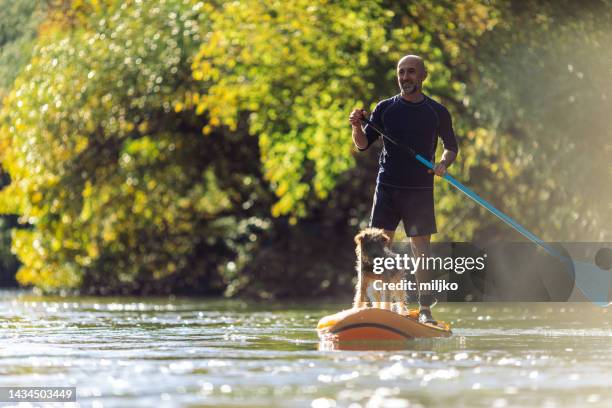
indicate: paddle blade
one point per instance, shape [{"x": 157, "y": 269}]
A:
[{"x": 593, "y": 282}]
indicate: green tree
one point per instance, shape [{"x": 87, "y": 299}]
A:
[
  {"x": 102, "y": 136},
  {"x": 297, "y": 69},
  {"x": 120, "y": 187},
  {"x": 544, "y": 87},
  {"x": 18, "y": 26}
]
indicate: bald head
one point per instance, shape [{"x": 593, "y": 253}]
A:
[
  {"x": 411, "y": 73},
  {"x": 412, "y": 60}
]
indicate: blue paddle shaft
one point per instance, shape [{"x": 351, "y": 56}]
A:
[
  {"x": 591, "y": 280},
  {"x": 471, "y": 194},
  {"x": 518, "y": 227}
]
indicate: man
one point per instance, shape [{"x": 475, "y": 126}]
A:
[{"x": 404, "y": 187}]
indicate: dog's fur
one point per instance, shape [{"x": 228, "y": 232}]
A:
[{"x": 373, "y": 243}]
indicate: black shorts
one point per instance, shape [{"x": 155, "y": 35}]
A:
[{"x": 415, "y": 207}]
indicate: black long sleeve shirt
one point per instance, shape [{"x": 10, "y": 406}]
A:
[{"x": 416, "y": 125}]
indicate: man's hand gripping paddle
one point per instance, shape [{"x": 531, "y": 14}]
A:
[{"x": 592, "y": 281}]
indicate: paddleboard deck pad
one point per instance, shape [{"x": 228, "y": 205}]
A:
[{"x": 374, "y": 324}]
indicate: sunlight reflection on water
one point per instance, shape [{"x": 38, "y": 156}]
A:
[{"x": 186, "y": 352}]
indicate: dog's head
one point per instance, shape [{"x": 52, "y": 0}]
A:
[{"x": 371, "y": 243}]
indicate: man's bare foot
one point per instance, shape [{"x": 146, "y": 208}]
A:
[{"x": 426, "y": 317}]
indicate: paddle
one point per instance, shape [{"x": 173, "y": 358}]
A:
[{"x": 592, "y": 281}]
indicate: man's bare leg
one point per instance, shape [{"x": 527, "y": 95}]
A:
[
  {"x": 398, "y": 308},
  {"x": 421, "y": 247}
]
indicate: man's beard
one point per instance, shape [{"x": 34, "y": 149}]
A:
[{"x": 409, "y": 88}]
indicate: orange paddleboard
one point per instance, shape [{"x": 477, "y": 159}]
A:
[{"x": 374, "y": 324}]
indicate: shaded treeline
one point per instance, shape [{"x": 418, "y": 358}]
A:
[
  {"x": 203, "y": 147},
  {"x": 18, "y": 27}
]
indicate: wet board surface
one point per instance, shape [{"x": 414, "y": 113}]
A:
[{"x": 374, "y": 324}]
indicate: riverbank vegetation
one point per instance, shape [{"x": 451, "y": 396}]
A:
[{"x": 181, "y": 146}]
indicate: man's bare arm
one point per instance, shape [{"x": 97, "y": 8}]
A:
[
  {"x": 448, "y": 157},
  {"x": 359, "y": 137}
]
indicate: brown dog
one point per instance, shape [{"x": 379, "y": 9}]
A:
[{"x": 373, "y": 243}]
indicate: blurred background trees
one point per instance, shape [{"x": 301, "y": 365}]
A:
[
  {"x": 543, "y": 87},
  {"x": 203, "y": 147},
  {"x": 18, "y": 29}
]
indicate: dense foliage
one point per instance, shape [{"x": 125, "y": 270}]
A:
[
  {"x": 186, "y": 146},
  {"x": 544, "y": 86},
  {"x": 115, "y": 182},
  {"x": 18, "y": 27}
]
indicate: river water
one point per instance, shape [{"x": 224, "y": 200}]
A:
[{"x": 160, "y": 352}]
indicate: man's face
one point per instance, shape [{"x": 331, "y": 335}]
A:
[{"x": 410, "y": 75}]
